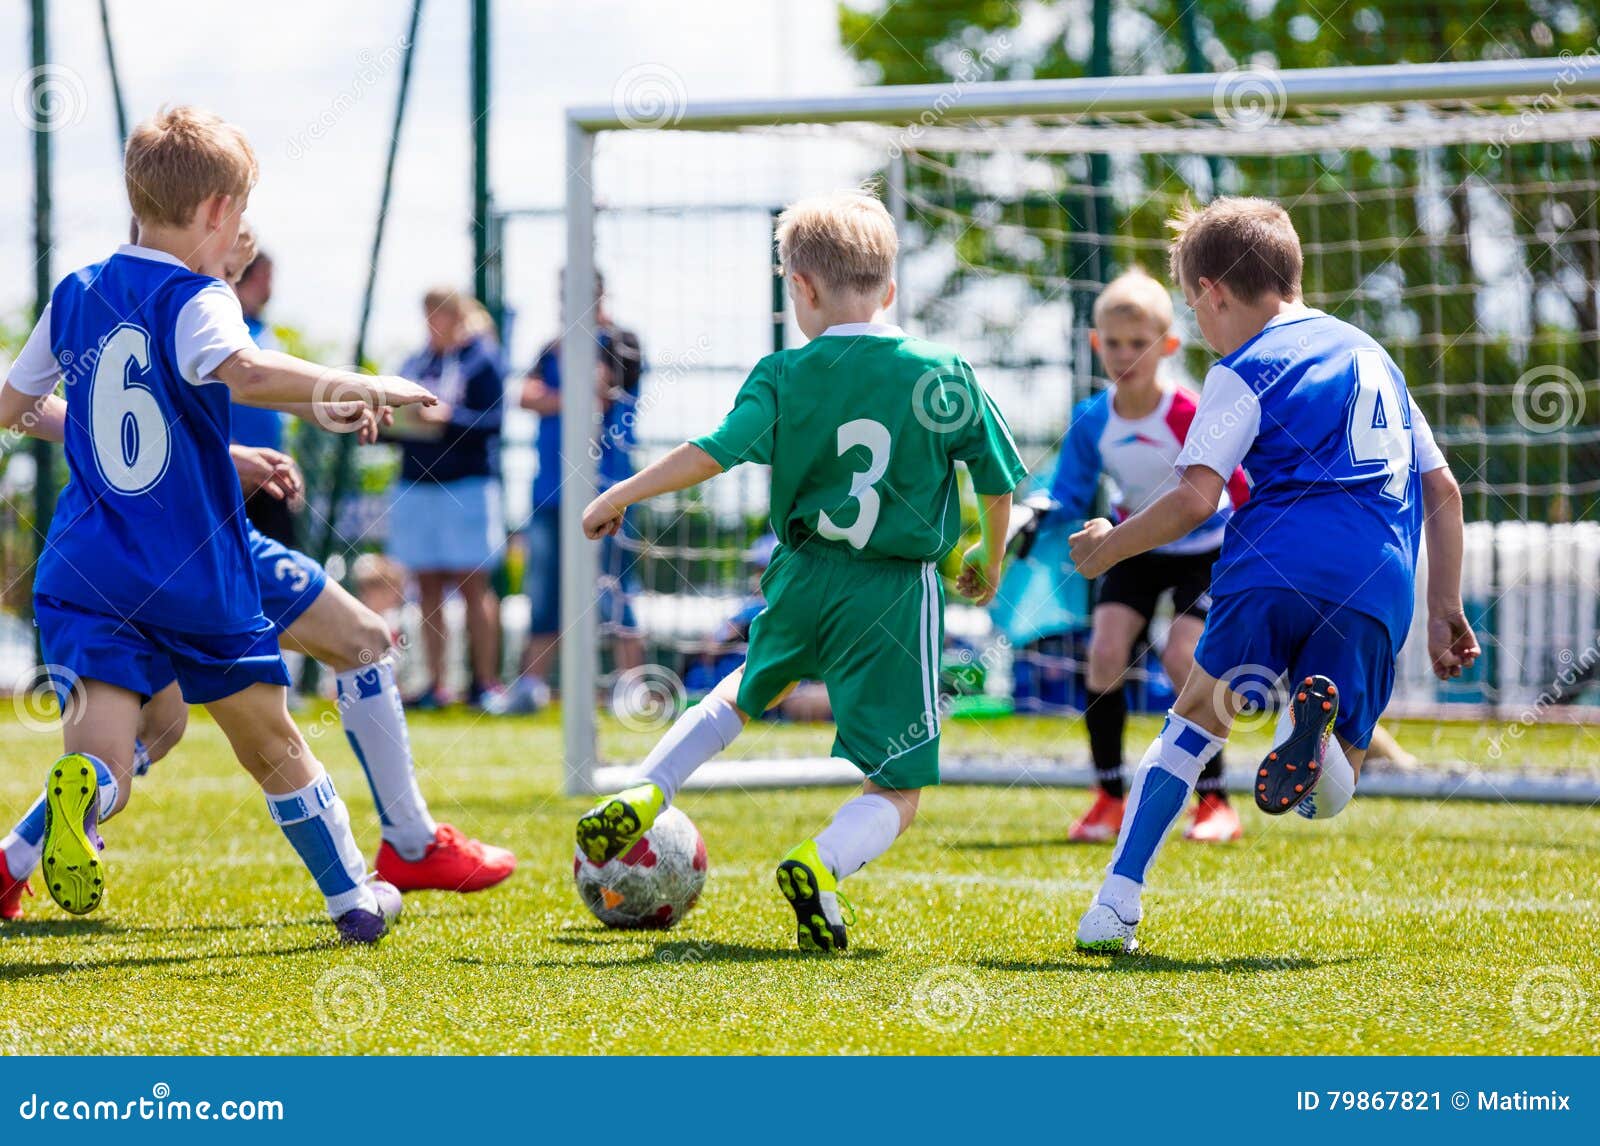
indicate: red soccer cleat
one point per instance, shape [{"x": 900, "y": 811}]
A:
[
  {"x": 453, "y": 862},
  {"x": 1215, "y": 821},
  {"x": 1101, "y": 823},
  {"x": 11, "y": 893}
]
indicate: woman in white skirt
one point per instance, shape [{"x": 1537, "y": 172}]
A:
[{"x": 446, "y": 524}]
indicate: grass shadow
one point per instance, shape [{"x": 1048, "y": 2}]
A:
[
  {"x": 18, "y": 971},
  {"x": 1019, "y": 845},
  {"x": 1148, "y": 963},
  {"x": 675, "y": 953}
]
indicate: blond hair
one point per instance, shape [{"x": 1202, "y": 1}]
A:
[
  {"x": 471, "y": 316},
  {"x": 845, "y": 240},
  {"x": 181, "y": 157},
  {"x": 1135, "y": 294},
  {"x": 1247, "y": 244}
]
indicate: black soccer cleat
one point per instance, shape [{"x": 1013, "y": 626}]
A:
[{"x": 1291, "y": 770}]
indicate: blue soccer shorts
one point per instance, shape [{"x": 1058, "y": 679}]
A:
[
  {"x": 1253, "y": 637},
  {"x": 289, "y": 580},
  {"x": 79, "y": 643}
]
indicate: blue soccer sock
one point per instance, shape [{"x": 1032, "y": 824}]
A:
[
  {"x": 1161, "y": 787},
  {"x": 23, "y": 843},
  {"x": 317, "y": 823}
]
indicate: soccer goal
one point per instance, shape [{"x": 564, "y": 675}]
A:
[{"x": 1452, "y": 210}]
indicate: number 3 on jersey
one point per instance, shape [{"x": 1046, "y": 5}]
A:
[
  {"x": 126, "y": 425},
  {"x": 1380, "y": 423},
  {"x": 875, "y": 437}
]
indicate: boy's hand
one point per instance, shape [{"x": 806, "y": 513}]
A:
[
  {"x": 352, "y": 417},
  {"x": 1090, "y": 555},
  {"x": 263, "y": 469},
  {"x": 601, "y": 518},
  {"x": 1452, "y": 646},
  {"x": 980, "y": 577},
  {"x": 396, "y": 391}
]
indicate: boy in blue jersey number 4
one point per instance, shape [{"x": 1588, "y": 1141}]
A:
[
  {"x": 146, "y": 573},
  {"x": 1316, "y": 578}
]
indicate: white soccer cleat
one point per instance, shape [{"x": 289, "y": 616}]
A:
[{"x": 1102, "y": 931}]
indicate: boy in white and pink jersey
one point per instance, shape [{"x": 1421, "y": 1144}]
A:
[{"x": 1132, "y": 432}]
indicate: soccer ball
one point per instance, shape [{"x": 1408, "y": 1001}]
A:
[{"x": 652, "y": 884}]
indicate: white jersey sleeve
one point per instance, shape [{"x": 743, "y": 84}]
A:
[
  {"x": 36, "y": 370},
  {"x": 209, "y": 331},
  {"x": 1429, "y": 456},
  {"x": 1225, "y": 424}
]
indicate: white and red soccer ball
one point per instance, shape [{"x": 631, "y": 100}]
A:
[{"x": 651, "y": 885}]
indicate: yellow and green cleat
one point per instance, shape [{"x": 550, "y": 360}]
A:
[
  {"x": 615, "y": 824},
  {"x": 71, "y": 864},
  {"x": 813, "y": 892}
]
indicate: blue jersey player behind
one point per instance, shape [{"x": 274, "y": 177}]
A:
[
  {"x": 1316, "y": 578},
  {"x": 146, "y": 572}
]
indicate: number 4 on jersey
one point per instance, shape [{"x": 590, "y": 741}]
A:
[{"x": 1380, "y": 423}]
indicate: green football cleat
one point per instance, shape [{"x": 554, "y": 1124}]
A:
[
  {"x": 70, "y": 854},
  {"x": 813, "y": 892},
  {"x": 615, "y": 824}
]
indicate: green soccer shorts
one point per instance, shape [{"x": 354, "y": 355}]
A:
[{"x": 872, "y": 631}]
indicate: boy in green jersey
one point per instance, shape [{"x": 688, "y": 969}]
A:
[{"x": 862, "y": 427}]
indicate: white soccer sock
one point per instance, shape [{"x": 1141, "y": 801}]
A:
[
  {"x": 317, "y": 823},
  {"x": 861, "y": 831},
  {"x": 375, "y": 725},
  {"x": 695, "y": 737},
  {"x": 1337, "y": 787},
  {"x": 1161, "y": 787},
  {"x": 23, "y": 843}
]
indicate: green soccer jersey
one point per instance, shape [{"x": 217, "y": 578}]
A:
[{"x": 862, "y": 428}]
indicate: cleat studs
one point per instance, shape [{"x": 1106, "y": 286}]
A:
[
  {"x": 1313, "y": 765},
  {"x": 1261, "y": 787},
  {"x": 58, "y": 791},
  {"x": 1270, "y": 756},
  {"x": 1333, "y": 690},
  {"x": 1300, "y": 696},
  {"x": 1283, "y": 799},
  {"x": 1327, "y": 705},
  {"x": 1308, "y": 680},
  {"x": 1299, "y": 787},
  {"x": 1263, "y": 772}
]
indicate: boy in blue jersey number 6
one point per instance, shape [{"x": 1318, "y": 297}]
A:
[
  {"x": 146, "y": 571},
  {"x": 1316, "y": 578}
]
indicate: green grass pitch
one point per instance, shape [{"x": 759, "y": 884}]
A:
[{"x": 1403, "y": 927}]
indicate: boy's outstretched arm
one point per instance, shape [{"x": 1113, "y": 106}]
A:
[
  {"x": 685, "y": 466},
  {"x": 271, "y": 378},
  {"x": 1099, "y": 545},
  {"x": 981, "y": 565},
  {"x": 1451, "y": 643}
]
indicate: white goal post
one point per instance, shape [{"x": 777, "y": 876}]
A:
[{"x": 1522, "y": 103}]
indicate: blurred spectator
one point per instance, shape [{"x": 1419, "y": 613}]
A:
[
  {"x": 446, "y": 524},
  {"x": 617, "y": 376},
  {"x": 252, "y": 425}
]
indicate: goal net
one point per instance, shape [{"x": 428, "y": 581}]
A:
[{"x": 1450, "y": 210}]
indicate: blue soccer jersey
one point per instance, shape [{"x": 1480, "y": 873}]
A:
[
  {"x": 1319, "y": 416},
  {"x": 150, "y": 527}
]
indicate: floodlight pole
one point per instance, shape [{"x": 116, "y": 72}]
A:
[
  {"x": 481, "y": 246},
  {"x": 42, "y": 117}
]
